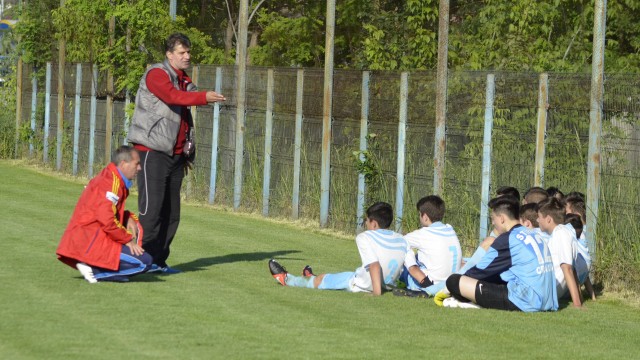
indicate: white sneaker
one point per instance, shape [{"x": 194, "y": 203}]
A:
[
  {"x": 453, "y": 303},
  {"x": 87, "y": 272},
  {"x": 450, "y": 302}
]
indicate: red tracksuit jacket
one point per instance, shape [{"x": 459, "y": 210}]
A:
[{"x": 96, "y": 231}]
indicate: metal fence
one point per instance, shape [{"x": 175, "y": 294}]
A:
[{"x": 375, "y": 132}]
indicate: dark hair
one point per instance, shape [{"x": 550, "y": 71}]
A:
[
  {"x": 433, "y": 206},
  {"x": 508, "y": 190},
  {"x": 535, "y": 195},
  {"x": 555, "y": 192},
  {"x": 382, "y": 213},
  {"x": 554, "y": 208},
  {"x": 123, "y": 153},
  {"x": 575, "y": 221},
  {"x": 529, "y": 212},
  {"x": 176, "y": 39},
  {"x": 575, "y": 194},
  {"x": 507, "y": 205},
  {"x": 578, "y": 206}
]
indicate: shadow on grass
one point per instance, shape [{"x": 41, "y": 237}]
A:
[{"x": 201, "y": 264}]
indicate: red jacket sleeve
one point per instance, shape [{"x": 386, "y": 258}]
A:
[
  {"x": 106, "y": 213},
  {"x": 159, "y": 83}
]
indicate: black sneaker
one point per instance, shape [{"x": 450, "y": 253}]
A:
[
  {"x": 278, "y": 271},
  {"x": 410, "y": 293},
  {"x": 307, "y": 271}
]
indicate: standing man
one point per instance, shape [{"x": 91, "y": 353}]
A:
[
  {"x": 162, "y": 131},
  {"x": 102, "y": 239}
]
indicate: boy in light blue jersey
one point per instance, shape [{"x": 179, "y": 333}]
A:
[
  {"x": 516, "y": 273},
  {"x": 438, "y": 252},
  {"x": 382, "y": 252}
]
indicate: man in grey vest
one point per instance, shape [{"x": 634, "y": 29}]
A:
[{"x": 162, "y": 132}]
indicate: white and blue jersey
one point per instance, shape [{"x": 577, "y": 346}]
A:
[
  {"x": 386, "y": 247},
  {"x": 438, "y": 251},
  {"x": 583, "y": 259},
  {"x": 522, "y": 260}
]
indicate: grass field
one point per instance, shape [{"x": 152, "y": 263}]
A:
[{"x": 226, "y": 305}]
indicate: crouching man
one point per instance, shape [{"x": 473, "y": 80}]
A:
[{"x": 102, "y": 239}]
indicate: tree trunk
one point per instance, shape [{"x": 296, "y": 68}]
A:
[{"x": 228, "y": 39}]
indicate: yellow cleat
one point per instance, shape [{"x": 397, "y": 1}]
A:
[{"x": 439, "y": 297}]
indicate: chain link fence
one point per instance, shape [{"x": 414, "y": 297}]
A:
[{"x": 513, "y": 145}]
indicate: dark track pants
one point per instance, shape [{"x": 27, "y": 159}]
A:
[{"x": 159, "y": 184}]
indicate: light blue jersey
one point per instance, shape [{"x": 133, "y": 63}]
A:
[
  {"x": 530, "y": 280},
  {"x": 583, "y": 260},
  {"x": 522, "y": 260}
]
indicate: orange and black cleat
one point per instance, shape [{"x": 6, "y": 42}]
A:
[{"x": 278, "y": 271}]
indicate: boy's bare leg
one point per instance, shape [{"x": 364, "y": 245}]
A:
[{"x": 468, "y": 288}]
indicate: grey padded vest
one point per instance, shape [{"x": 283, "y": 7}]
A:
[{"x": 154, "y": 123}]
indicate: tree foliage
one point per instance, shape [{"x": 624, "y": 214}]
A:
[{"x": 518, "y": 35}]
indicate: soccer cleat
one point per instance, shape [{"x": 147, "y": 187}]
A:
[
  {"x": 278, "y": 271},
  {"x": 450, "y": 302},
  {"x": 410, "y": 293},
  {"x": 454, "y": 303},
  {"x": 440, "y": 296},
  {"x": 87, "y": 272},
  {"x": 307, "y": 271}
]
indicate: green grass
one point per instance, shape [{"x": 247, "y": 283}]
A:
[{"x": 226, "y": 305}]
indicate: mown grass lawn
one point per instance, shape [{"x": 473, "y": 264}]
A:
[{"x": 226, "y": 305}]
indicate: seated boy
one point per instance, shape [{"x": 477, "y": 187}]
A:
[
  {"x": 382, "y": 252},
  {"x": 583, "y": 261},
  {"x": 535, "y": 195},
  {"x": 438, "y": 249},
  {"x": 574, "y": 204},
  {"x": 563, "y": 247},
  {"x": 516, "y": 273},
  {"x": 529, "y": 219}
]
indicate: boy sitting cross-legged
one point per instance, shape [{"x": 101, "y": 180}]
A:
[
  {"x": 382, "y": 252},
  {"x": 563, "y": 247},
  {"x": 438, "y": 250},
  {"x": 515, "y": 274}
]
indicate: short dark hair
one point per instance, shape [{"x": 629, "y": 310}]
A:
[
  {"x": 123, "y": 153},
  {"x": 554, "y": 208},
  {"x": 575, "y": 194},
  {"x": 433, "y": 206},
  {"x": 575, "y": 221},
  {"x": 555, "y": 192},
  {"x": 529, "y": 212},
  {"x": 508, "y": 190},
  {"x": 577, "y": 205},
  {"x": 382, "y": 213},
  {"x": 176, "y": 39},
  {"x": 507, "y": 205},
  {"x": 535, "y": 195}
]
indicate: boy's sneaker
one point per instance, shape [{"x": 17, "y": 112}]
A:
[
  {"x": 410, "y": 293},
  {"x": 87, "y": 272},
  {"x": 454, "y": 303},
  {"x": 278, "y": 271},
  {"x": 307, "y": 271},
  {"x": 440, "y": 296}
]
